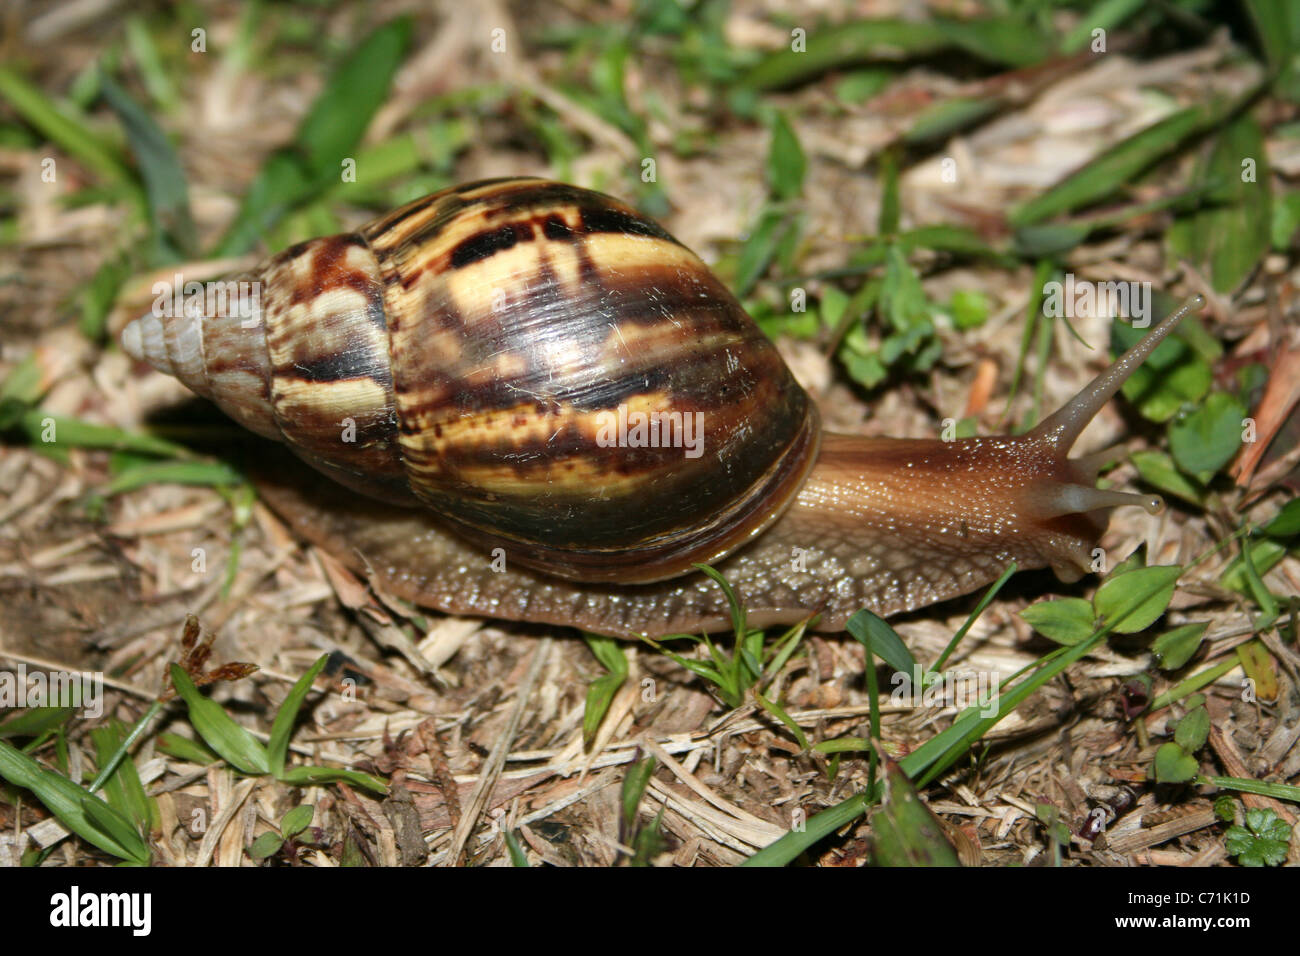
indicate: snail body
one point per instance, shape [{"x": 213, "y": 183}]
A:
[{"x": 512, "y": 369}]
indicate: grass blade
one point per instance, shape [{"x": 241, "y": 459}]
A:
[
  {"x": 601, "y": 691},
  {"x": 207, "y": 474},
  {"x": 1116, "y": 167},
  {"x": 1231, "y": 233},
  {"x": 65, "y": 129},
  {"x": 330, "y": 133},
  {"x": 107, "y": 829},
  {"x": 160, "y": 170},
  {"x": 904, "y": 831},
  {"x": 873, "y": 633},
  {"x": 282, "y": 728},
  {"x": 313, "y": 776},
  {"x": 236, "y": 745},
  {"x": 44, "y": 428}
]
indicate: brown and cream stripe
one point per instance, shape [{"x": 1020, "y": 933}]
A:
[{"x": 479, "y": 338}]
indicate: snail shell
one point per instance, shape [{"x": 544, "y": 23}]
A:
[{"x": 476, "y": 350}]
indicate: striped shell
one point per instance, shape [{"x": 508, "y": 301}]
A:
[{"x": 484, "y": 343}]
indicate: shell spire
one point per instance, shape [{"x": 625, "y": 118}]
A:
[{"x": 208, "y": 339}]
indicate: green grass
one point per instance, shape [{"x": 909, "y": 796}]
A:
[{"x": 122, "y": 822}]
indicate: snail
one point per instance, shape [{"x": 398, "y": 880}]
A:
[{"x": 533, "y": 403}]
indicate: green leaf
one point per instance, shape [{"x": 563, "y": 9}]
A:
[
  {"x": 903, "y": 302},
  {"x": 160, "y": 169},
  {"x": 969, "y": 309},
  {"x": 208, "y": 474},
  {"x": 786, "y": 163},
  {"x": 265, "y": 846},
  {"x": 236, "y": 745},
  {"x": 890, "y": 209},
  {"x": 1205, "y": 440},
  {"x": 1007, "y": 40},
  {"x": 759, "y": 249},
  {"x": 1263, "y": 841},
  {"x": 1175, "y": 374},
  {"x": 1225, "y": 808},
  {"x": 85, "y": 815},
  {"x": 303, "y": 776},
  {"x": 634, "y": 784},
  {"x": 733, "y": 602},
  {"x": 1286, "y": 220},
  {"x": 1175, "y": 647},
  {"x": 1172, "y": 765},
  {"x": 875, "y": 634},
  {"x": 35, "y": 721},
  {"x": 951, "y": 116},
  {"x": 1159, "y": 394},
  {"x": 867, "y": 370},
  {"x": 99, "y": 296},
  {"x": 1134, "y": 561},
  {"x": 956, "y": 240},
  {"x": 1231, "y": 233},
  {"x": 1115, "y": 168},
  {"x": 356, "y": 89},
  {"x": 517, "y": 856},
  {"x": 832, "y": 306},
  {"x": 833, "y": 47},
  {"x": 779, "y": 712},
  {"x": 1268, "y": 604},
  {"x": 1158, "y": 469},
  {"x": 783, "y": 649},
  {"x": 115, "y": 825},
  {"x": 62, "y": 126},
  {"x": 648, "y": 842},
  {"x": 861, "y": 85},
  {"x": 1278, "y": 25},
  {"x": 153, "y": 73},
  {"x": 1286, "y": 523},
  {"x": 182, "y": 748},
  {"x": 1000, "y": 40},
  {"x": 1190, "y": 685},
  {"x": 842, "y": 745},
  {"x": 1193, "y": 730},
  {"x": 601, "y": 691},
  {"x": 22, "y": 388},
  {"x": 330, "y": 133},
  {"x": 1105, "y": 15},
  {"x": 1049, "y": 239},
  {"x": 73, "y": 432},
  {"x": 1266, "y": 823},
  {"x": 123, "y": 791},
  {"x": 296, "y": 820},
  {"x": 1264, "y": 555},
  {"x": 277, "y": 747},
  {"x": 1066, "y": 620},
  {"x": 1132, "y": 601},
  {"x": 904, "y": 831}
]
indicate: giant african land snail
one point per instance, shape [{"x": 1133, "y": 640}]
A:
[{"x": 481, "y": 341}]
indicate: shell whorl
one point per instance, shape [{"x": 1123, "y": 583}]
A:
[{"x": 487, "y": 351}]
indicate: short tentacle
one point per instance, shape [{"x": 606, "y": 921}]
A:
[{"x": 1077, "y": 499}]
